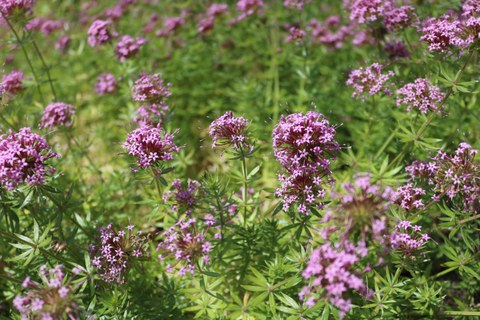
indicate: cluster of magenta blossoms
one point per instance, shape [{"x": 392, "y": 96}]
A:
[
  {"x": 150, "y": 88},
  {"x": 386, "y": 12},
  {"x": 409, "y": 197},
  {"x": 215, "y": 10},
  {"x": 407, "y": 238},
  {"x": 117, "y": 251},
  {"x": 298, "y": 4},
  {"x": 361, "y": 208},
  {"x": 23, "y": 158},
  {"x": 151, "y": 146},
  {"x": 229, "y": 131},
  {"x": 44, "y": 25},
  {"x": 187, "y": 245},
  {"x": 106, "y": 84},
  {"x": 247, "y": 8},
  {"x": 52, "y": 299},
  {"x": 305, "y": 146},
  {"x": 455, "y": 175},
  {"x": 57, "y": 114},
  {"x": 128, "y": 47},
  {"x": 99, "y": 33},
  {"x": 420, "y": 95},
  {"x": 152, "y": 91},
  {"x": 452, "y": 30},
  {"x": 295, "y": 34},
  {"x": 183, "y": 198},
  {"x": 333, "y": 274},
  {"x": 9, "y": 7},
  {"x": 369, "y": 81},
  {"x": 151, "y": 114},
  {"x": 12, "y": 83}
]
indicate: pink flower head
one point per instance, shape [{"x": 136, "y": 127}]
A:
[
  {"x": 151, "y": 114},
  {"x": 332, "y": 274},
  {"x": 399, "y": 18},
  {"x": 45, "y": 26},
  {"x": 217, "y": 9},
  {"x": 365, "y": 11},
  {"x": 23, "y": 158},
  {"x": 99, "y": 33},
  {"x": 186, "y": 244},
  {"x": 295, "y": 34},
  {"x": 229, "y": 131},
  {"x": 205, "y": 25},
  {"x": 117, "y": 251},
  {"x": 305, "y": 146},
  {"x": 150, "y": 88},
  {"x": 53, "y": 298},
  {"x": 9, "y": 7},
  {"x": 62, "y": 43},
  {"x": 57, "y": 114},
  {"x": 440, "y": 33},
  {"x": 247, "y": 8},
  {"x": 151, "y": 146},
  {"x": 407, "y": 238},
  {"x": 298, "y": 4},
  {"x": 369, "y": 81},
  {"x": 106, "y": 84},
  {"x": 183, "y": 198},
  {"x": 12, "y": 83},
  {"x": 128, "y": 47},
  {"x": 421, "y": 95}
]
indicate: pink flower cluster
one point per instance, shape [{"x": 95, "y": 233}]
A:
[
  {"x": 44, "y": 25},
  {"x": 9, "y": 7},
  {"x": 184, "y": 198},
  {"x": 247, "y": 8},
  {"x": 362, "y": 207},
  {"x": 150, "y": 88},
  {"x": 215, "y": 10},
  {"x": 230, "y": 131},
  {"x": 57, "y": 114},
  {"x": 305, "y": 146},
  {"x": 331, "y": 32},
  {"x": 23, "y": 157},
  {"x": 171, "y": 26},
  {"x": 295, "y": 34},
  {"x": 392, "y": 16},
  {"x": 187, "y": 245},
  {"x": 52, "y": 299},
  {"x": 150, "y": 146},
  {"x": 116, "y": 252},
  {"x": 407, "y": 238},
  {"x": 128, "y": 47},
  {"x": 151, "y": 114},
  {"x": 106, "y": 84},
  {"x": 298, "y": 4},
  {"x": 421, "y": 95},
  {"x": 99, "y": 33},
  {"x": 451, "y": 31},
  {"x": 409, "y": 197},
  {"x": 12, "y": 83},
  {"x": 456, "y": 175},
  {"x": 332, "y": 270},
  {"x": 369, "y": 81}
]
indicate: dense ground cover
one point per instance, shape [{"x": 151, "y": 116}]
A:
[{"x": 250, "y": 159}]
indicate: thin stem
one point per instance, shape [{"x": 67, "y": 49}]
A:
[
  {"x": 157, "y": 184},
  {"x": 475, "y": 217},
  {"x": 47, "y": 70},
  {"x": 26, "y": 57},
  {"x": 245, "y": 180}
]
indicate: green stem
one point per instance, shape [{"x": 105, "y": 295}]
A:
[
  {"x": 245, "y": 185},
  {"x": 29, "y": 62},
  {"x": 47, "y": 70},
  {"x": 462, "y": 313},
  {"x": 475, "y": 217}
]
